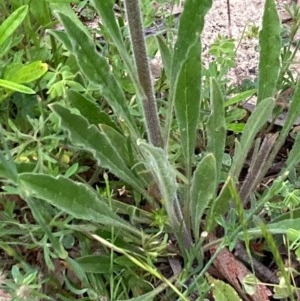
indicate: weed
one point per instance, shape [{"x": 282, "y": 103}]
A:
[{"x": 119, "y": 200}]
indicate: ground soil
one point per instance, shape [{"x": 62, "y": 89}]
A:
[{"x": 236, "y": 20}]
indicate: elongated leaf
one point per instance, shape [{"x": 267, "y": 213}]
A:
[
  {"x": 109, "y": 20},
  {"x": 185, "y": 51},
  {"x": 219, "y": 206},
  {"x": 62, "y": 37},
  {"x": 216, "y": 126},
  {"x": 90, "y": 110},
  {"x": 15, "y": 87},
  {"x": 239, "y": 97},
  {"x": 292, "y": 115},
  {"x": 166, "y": 55},
  {"x": 270, "y": 46},
  {"x": 157, "y": 161},
  {"x": 281, "y": 227},
  {"x": 294, "y": 155},
  {"x": 97, "y": 70},
  {"x": 187, "y": 103},
  {"x": 14, "y": 20},
  {"x": 98, "y": 264},
  {"x": 40, "y": 12},
  {"x": 77, "y": 199},
  {"x": 27, "y": 73},
  {"x": 68, "y": 10},
  {"x": 190, "y": 26},
  {"x": 255, "y": 122},
  {"x": 8, "y": 168},
  {"x": 163, "y": 172},
  {"x": 203, "y": 190},
  {"x": 108, "y": 147}
]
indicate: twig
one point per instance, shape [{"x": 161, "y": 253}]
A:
[{"x": 261, "y": 270}]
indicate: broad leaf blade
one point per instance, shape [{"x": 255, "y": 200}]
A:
[
  {"x": 108, "y": 147},
  {"x": 216, "y": 126},
  {"x": 97, "y": 70},
  {"x": 270, "y": 47},
  {"x": 203, "y": 190},
  {"x": 27, "y": 73},
  {"x": 77, "y": 199}
]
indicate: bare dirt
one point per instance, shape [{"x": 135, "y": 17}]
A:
[{"x": 240, "y": 22}]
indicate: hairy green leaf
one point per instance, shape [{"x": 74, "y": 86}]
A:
[
  {"x": 203, "y": 190},
  {"x": 90, "y": 110},
  {"x": 108, "y": 19},
  {"x": 292, "y": 114},
  {"x": 216, "y": 126},
  {"x": 166, "y": 55},
  {"x": 77, "y": 199},
  {"x": 219, "y": 206},
  {"x": 190, "y": 26},
  {"x": 107, "y": 146},
  {"x": 255, "y": 122},
  {"x": 158, "y": 164},
  {"x": 97, "y": 70},
  {"x": 187, "y": 103},
  {"x": 185, "y": 53},
  {"x": 270, "y": 47}
]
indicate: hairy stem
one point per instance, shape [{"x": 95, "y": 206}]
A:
[{"x": 141, "y": 60}]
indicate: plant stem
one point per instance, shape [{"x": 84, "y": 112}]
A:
[{"x": 141, "y": 60}]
